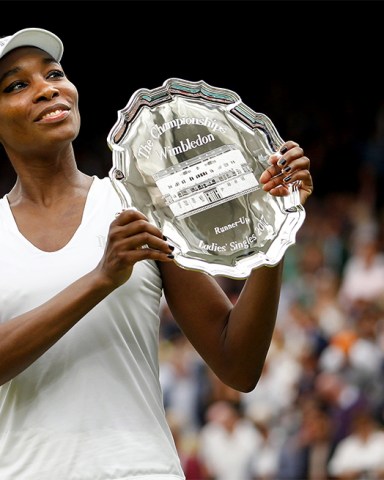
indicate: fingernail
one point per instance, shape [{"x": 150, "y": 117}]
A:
[
  {"x": 287, "y": 169},
  {"x": 286, "y": 179},
  {"x": 170, "y": 255},
  {"x": 282, "y": 161},
  {"x": 283, "y": 150},
  {"x": 164, "y": 237},
  {"x": 171, "y": 247}
]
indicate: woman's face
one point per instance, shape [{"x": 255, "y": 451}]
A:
[{"x": 38, "y": 104}]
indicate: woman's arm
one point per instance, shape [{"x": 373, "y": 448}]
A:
[
  {"x": 234, "y": 340},
  {"x": 26, "y": 337}
]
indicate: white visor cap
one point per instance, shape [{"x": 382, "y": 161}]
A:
[{"x": 33, "y": 37}]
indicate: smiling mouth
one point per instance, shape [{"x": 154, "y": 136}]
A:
[{"x": 52, "y": 114}]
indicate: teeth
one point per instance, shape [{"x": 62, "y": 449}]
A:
[{"x": 52, "y": 114}]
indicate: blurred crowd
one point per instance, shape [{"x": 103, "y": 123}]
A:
[{"x": 317, "y": 412}]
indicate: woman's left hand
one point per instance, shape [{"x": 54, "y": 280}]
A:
[{"x": 288, "y": 166}]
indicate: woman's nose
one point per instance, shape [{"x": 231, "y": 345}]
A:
[{"x": 46, "y": 91}]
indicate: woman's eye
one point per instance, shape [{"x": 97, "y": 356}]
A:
[
  {"x": 15, "y": 86},
  {"x": 56, "y": 74},
  {"x": 19, "y": 85}
]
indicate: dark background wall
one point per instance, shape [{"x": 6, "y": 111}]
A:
[{"x": 313, "y": 67}]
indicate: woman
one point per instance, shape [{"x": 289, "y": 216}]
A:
[{"x": 79, "y": 298}]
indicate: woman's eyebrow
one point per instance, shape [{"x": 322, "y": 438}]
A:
[
  {"x": 15, "y": 70},
  {"x": 9, "y": 73}
]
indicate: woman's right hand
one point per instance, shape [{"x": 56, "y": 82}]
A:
[{"x": 131, "y": 238}]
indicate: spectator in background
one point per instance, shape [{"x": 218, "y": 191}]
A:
[
  {"x": 342, "y": 401},
  {"x": 306, "y": 453},
  {"x": 363, "y": 273},
  {"x": 228, "y": 443},
  {"x": 265, "y": 460},
  {"x": 360, "y": 455}
]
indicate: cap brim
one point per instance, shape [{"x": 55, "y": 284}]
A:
[{"x": 35, "y": 37}]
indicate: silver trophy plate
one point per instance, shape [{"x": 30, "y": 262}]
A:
[{"x": 189, "y": 156}]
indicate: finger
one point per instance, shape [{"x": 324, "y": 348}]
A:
[
  {"x": 130, "y": 257},
  {"x": 283, "y": 166},
  {"x": 302, "y": 180},
  {"x": 284, "y": 179},
  {"x": 132, "y": 222},
  {"x": 289, "y": 156},
  {"x": 147, "y": 241},
  {"x": 297, "y": 170},
  {"x": 124, "y": 252},
  {"x": 281, "y": 159},
  {"x": 139, "y": 234},
  {"x": 286, "y": 152},
  {"x": 131, "y": 231},
  {"x": 288, "y": 145},
  {"x": 129, "y": 215}
]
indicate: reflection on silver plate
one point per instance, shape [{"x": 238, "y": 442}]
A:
[{"x": 189, "y": 156}]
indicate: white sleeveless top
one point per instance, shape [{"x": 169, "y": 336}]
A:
[{"x": 90, "y": 408}]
